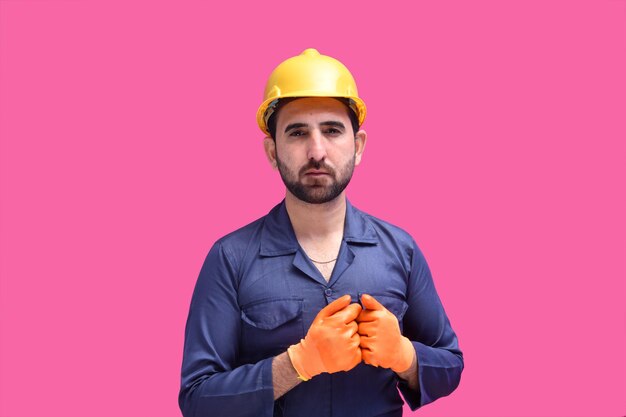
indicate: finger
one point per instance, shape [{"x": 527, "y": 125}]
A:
[
  {"x": 371, "y": 303},
  {"x": 354, "y": 309},
  {"x": 368, "y": 357},
  {"x": 337, "y": 305},
  {"x": 356, "y": 359},
  {"x": 366, "y": 342},
  {"x": 349, "y": 314},
  {"x": 353, "y": 327},
  {"x": 358, "y": 356},
  {"x": 368, "y": 315},
  {"x": 367, "y": 329},
  {"x": 356, "y": 340}
]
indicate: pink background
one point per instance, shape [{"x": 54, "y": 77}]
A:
[{"x": 497, "y": 137}]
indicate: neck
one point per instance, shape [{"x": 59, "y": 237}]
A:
[{"x": 316, "y": 221}]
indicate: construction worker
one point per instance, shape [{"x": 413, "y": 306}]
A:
[{"x": 316, "y": 309}]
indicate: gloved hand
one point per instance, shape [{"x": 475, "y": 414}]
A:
[
  {"x": 332, "y": 342},
  {"x": 382, "y": 343}
]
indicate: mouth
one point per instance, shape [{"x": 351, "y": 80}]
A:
[{"x": 316, "y": 173}]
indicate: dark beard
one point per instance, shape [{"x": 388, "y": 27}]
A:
[{"x": 316, "y": 194}]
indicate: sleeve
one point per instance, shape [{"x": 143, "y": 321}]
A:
[
  {"x": 211, "y": 382},
  {"x": 439, "y": 359}
]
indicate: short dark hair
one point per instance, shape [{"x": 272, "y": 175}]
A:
[{"x": 271, "y": 122}]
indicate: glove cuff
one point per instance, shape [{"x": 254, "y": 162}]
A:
[
  {"x": 296, "y": 354},
  {"x": 406, "y": 356}
]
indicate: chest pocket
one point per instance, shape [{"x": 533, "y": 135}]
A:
[
  {"x": 394, "y": 304},
  {"x": 270, "y": 326}
]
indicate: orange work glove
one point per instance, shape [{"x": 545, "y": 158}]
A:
[
  {"x": 332, "y": 342},
  {"x": 382, "y": 344}
]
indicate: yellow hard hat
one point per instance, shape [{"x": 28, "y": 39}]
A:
[{"x": 309, "y": 75}]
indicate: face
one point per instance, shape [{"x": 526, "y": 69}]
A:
[{"x": 315, "y": 149}]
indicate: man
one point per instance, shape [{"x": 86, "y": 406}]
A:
[{"x": 316, "y": 309}]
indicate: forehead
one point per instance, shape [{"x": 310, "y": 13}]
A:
[{"x": 311, "y": 108}]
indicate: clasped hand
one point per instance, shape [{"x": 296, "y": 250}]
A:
[{"x": 343, "y": 334}]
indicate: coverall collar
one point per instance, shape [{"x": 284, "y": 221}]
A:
[{"x": 278, "y": 237}]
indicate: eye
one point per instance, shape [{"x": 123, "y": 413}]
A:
[
  {"x": 297, "y": 133},
  {"x": 332, "y": 131}
]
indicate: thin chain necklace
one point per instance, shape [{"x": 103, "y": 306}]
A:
[{"x": 319, "y": 262}]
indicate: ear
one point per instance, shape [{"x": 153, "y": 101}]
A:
[
  {"x": 359, "y": 145},
  {"x": 270, "y": 150}
]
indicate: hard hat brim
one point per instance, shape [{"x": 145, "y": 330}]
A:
[{"x": 260, "y": 115}]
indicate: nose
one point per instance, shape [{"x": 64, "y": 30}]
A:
[{"x": 316, "y": 146}]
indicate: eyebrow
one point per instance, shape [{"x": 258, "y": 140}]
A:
[
  {"x": 333, "y": 123},
  {"x": 294, "y": 126}
]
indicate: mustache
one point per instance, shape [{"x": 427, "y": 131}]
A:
[{"x": 321, "y": 165}]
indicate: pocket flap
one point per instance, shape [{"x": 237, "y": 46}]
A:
[
  {"x": 269, "y": 314},
  {"x": 396, "y": 305}
]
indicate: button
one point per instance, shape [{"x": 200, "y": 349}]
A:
[{"x": 328, "y": 292}]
